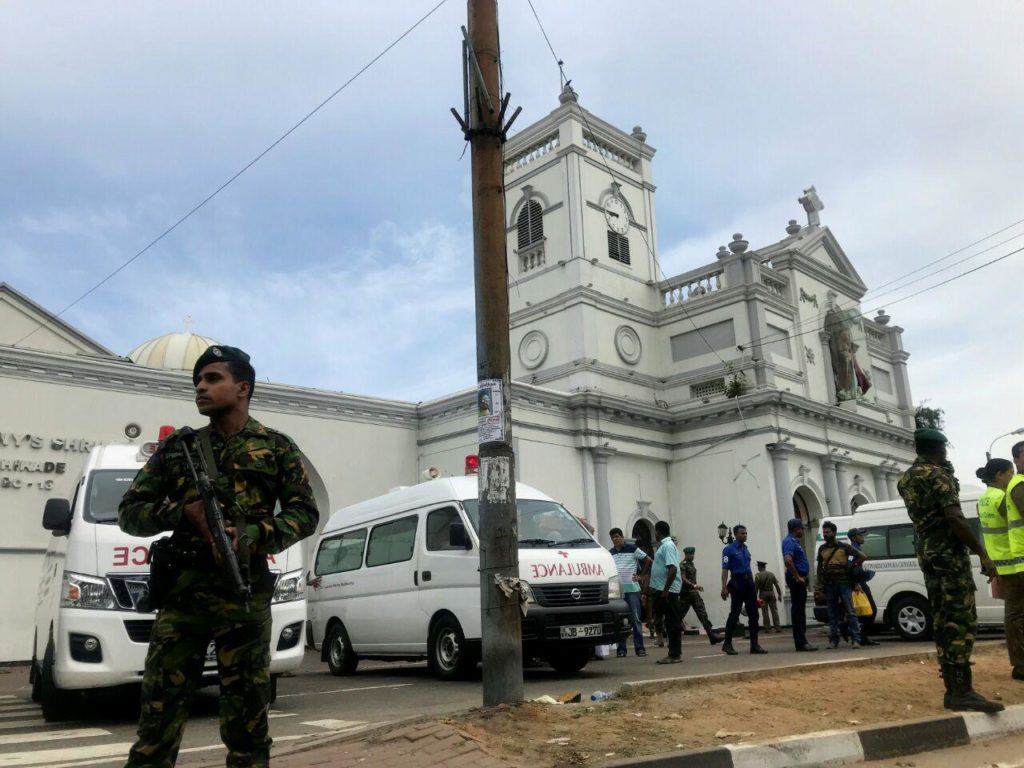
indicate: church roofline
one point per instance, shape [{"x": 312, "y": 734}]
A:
[{"x": 54, "y": 322}]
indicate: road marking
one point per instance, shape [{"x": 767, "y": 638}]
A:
[
  {"x": 95, "y": 755},
  {"x": 73, "y": 733},
  {"x": 344, "y": 690},
  {"x": 273, "y": 715},
  {"x": 10, "y": 725},
  {"x": 51, "y": 758},
  {"x": 335, "y": 725},
  {"x": 7, "y": 696}
]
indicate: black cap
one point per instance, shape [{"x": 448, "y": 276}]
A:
[
  {"x": 761, "y": 564},
  {"x": 857, "y": 532},
  {"x": 218, "y": 353}
]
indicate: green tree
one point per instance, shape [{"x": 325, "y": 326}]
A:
[{"x": 929, "y": 418}]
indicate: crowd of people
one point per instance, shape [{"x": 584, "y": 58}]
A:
[{"x": 661, "y": 588}]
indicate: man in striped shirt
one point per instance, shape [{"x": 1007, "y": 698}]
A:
[{"x": 629, "y": 560}]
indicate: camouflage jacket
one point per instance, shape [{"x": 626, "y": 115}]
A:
[
  {"x": 259, "y": 467},
  {"x": 689, "y": 571},
  {"x": 766, "y": 583},
  {"x": 927, "y": 489}
]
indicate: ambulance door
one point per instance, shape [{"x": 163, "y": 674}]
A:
[
  {"x": 449, "y": 578},
  {"x": 389, "y": 605}
]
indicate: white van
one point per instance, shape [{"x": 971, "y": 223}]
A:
[
  {"x": 898, "y": 584},
  {"x": 89, "y": 632},
  {"x": 397, "y": 578}
]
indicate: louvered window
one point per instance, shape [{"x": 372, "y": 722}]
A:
[
  {"x": 530, "y": 224},
  {"x": 618, "y": 247}
]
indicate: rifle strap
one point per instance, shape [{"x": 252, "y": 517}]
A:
[{"x": 212, "y": 469}]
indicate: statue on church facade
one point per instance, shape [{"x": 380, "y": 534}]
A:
[{"x": 845, "y": 338}]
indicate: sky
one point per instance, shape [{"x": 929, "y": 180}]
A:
[{"x": 343, "y": 259}]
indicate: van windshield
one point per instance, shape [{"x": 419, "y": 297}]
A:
[
  {"x": 542, "y": 524},
  {"x": 104, "y": 492}
]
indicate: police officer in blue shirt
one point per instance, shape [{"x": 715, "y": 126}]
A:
[
  {"x": 738, "y": 583},
  {"x": 797, "y": 570}
]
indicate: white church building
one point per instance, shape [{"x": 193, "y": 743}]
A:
[{"x": 749, "y": 389}]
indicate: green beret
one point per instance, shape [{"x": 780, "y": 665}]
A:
[
  {"x": 689, "y": 550},
  {"x": 218, "y": 354},
  {"x": 927, "y": 434}
]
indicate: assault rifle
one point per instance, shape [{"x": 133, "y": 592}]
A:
[{"x": 234, "y": 564}]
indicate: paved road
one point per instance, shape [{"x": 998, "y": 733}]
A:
[{"x": 314, "y": 703}]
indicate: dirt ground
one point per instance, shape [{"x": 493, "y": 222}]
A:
[{"x": 703, "y": 714}]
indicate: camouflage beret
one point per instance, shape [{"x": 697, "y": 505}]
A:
[
  {"x": 927, "y": 434},
  {"x": 689, "y": 550},
  {"x": 218, "y": 354}
]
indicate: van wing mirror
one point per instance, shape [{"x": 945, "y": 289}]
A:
[
  {"x": 57, "y": 516},
  {"x": 458, "y": 537}
]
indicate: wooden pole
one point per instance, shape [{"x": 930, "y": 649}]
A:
[{"x": 499, "y": 537}]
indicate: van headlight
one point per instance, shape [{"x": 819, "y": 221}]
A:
[
  {"x": 87, "y": 592},
  {"x": 614, "y": 588},
  {"x": 527, "y": 592},
  {"x": 290, "y": 586}
]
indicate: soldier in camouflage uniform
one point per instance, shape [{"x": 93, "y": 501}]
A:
[
  {"x": 690, "y": 595},
  {"x": 942, "y": 538},
  {"x": 257, "y": 468}
]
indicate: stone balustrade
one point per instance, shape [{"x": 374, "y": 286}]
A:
[
  {"x": 531, "y": 154},
  {"x": 532, "y": 257},
  {"x": 875, "y": 335},
  {"x": 692, "y": 285},
  {"x": 609, "y": 152},
  {"x": 774, "y": 282}
]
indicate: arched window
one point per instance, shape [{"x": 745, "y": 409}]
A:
[{"x": 530, "y": 224}]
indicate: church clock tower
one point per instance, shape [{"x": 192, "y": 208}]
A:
[{"x": 581, "y": 249}]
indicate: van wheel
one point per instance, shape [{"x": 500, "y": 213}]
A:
[
  {"x": 340, "y": 657},
  {"x": 54, "y": 701},
  {"x": 450, "y": 656},
  {"x": 912, "y": 618},
  {"x": 569, "y": 662}
]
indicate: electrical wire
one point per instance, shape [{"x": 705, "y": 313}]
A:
[{"x": 245, "y": 168}]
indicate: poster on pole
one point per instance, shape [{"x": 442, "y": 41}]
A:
[{"x": 490, "y": 411}]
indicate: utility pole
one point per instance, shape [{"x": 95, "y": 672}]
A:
[{"x": 484, "y": 128}]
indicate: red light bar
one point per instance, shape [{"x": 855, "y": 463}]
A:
[
  {"x": 165, "y": 431},
  {"x": 472, "y": 464}
]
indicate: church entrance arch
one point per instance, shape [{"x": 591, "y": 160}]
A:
[
  {"x": 807, "y": 508},
  {"x": 643, "y": 534}
]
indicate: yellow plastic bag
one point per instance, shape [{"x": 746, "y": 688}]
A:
[{"x": 861, "y": 604}]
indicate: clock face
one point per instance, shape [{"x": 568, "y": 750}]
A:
[{"x": 616, "y": 214}]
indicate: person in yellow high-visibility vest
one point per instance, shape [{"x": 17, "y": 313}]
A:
[
  {"x": 994, "y": 515},
  {"x": 1015, "y": 524}
]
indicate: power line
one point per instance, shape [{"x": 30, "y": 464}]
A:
[{"x": 245, "y": 168}]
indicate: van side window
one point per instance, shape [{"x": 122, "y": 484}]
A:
[
  {"x": 340, "y": 553},
  {"x": 439, "y": 524},
  {"x": 391, "y": 542},
  {"x": 901, "y": 541},
  {"x": 875, "y": 544}
]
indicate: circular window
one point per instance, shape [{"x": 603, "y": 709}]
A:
[
  {"x": 627, "y": 344},
  {"x": 533, "y": 350}
]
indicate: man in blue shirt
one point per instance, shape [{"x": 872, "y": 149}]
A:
[
  {"x": 738, "y": 583},
  {"x": 629, "y": 560},
  {"x": 797, "y": 569},
  {"x": 665, "y": 584}
]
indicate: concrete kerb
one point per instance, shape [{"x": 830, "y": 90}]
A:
[{"x": 844, "y": 747}]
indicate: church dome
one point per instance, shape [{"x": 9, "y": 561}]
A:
[{"x": 175, "y": 351}]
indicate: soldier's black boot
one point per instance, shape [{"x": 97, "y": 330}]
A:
[
  {"x": 946, "y": 676},
  {"x": 713, "y": 637},
  {"x": 727, "y": 646},
  {"x": 962, "y": 696}
]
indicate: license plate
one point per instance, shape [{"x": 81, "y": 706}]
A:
[
  {"x": 581, "y": 630},
  {"x": 211, "y": 654}
]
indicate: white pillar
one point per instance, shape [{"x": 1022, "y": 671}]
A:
[
  {"x": 601, "y": 495},
  {"x": 780, "y": 469},
  {"x": 843, "y": 486},
  {"x": 881, "y": 489},
  {"x": 828, "y": 469}
]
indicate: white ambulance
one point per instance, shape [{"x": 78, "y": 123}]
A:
[
  {"x": 89, "y": 631},
  {"x": 397, "y": 578}
]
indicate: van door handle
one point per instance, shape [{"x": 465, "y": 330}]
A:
[
  {"x": 416, "y": 578},
  {"x": 426, "y": 575}
]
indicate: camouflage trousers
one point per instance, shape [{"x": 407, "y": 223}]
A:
[
  {"x": 692, "y": 599},
  {"x": 174, "y": 667},
  {"x": 950, "y": 586}
]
